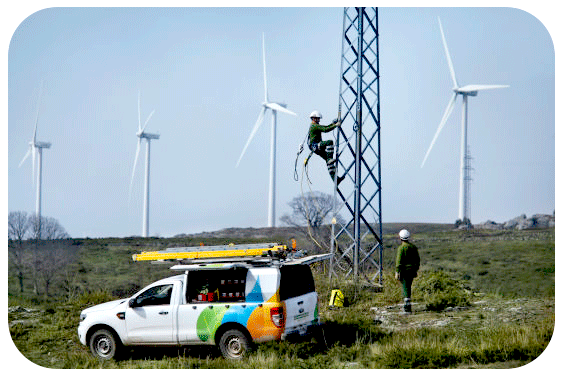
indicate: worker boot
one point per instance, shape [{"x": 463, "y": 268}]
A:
[
  {"x": 331, "y": 164},
  {"x": 407, "y": 306}
]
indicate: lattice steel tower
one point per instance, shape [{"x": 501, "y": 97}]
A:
[{"x": 357, "y": 241}]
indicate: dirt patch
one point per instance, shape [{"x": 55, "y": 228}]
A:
[{"x": 489, "y": 311}]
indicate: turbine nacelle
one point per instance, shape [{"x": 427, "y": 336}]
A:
[
  {"x": 41, "y": 144},
  {"x": 266, "y": 104},
  {"x": 148, "y": 135},
  {"x": 278, "y": 107},
  {"x": 462, "y": 91}
]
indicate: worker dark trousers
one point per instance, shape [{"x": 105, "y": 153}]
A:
[
  {"x": 325, "y": 150},
  {"x": 407, "y": 291}
]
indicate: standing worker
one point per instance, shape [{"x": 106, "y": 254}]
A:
[
  {"x": 407, "y": 265},
  {"x": 325, "y": 149}
]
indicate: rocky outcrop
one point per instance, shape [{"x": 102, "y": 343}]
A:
[{"x": 522, "y": 222}]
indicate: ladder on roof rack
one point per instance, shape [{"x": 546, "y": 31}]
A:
[{"x": 226, "y": 253}]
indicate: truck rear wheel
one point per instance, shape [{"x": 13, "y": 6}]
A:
[
  {"x": 104, "y": 344},
  {"x": 234, "y": 344}
]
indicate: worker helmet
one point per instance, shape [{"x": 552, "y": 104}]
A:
[
  {"x": 404, "y": 234},
  {"x": 315, "y": 114}
]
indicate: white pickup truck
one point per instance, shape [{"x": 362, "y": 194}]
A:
[{"x": 230, "y": 305}]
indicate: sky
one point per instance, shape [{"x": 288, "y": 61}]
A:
[{"x": 200, "y": 70}]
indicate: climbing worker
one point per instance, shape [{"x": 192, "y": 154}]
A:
[
  {"x": 325, "y": 149},
  {"x": 407, "y": 265}
]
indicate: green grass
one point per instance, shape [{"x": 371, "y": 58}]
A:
[
  {"x": 512, "y": 271},
  {"x": 430, "y": 348},
  {"x": 350, "y": 341},
  {"x": 510, "y": 263}
]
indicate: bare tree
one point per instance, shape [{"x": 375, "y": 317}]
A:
[
  {"x": 47, "y": 228},
  {"x": 18, "y": 228},
  {"x": 52, "y": 230},
  {"x": 26, "y": 244},
  {"x": 55, "y": 256},
  {"x": 312, "y": 214}
]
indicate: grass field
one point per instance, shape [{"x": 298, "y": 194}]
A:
[{"x": 492, "y": 295}]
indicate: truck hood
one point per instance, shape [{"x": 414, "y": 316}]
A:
[{"x": 105, "y": 306}]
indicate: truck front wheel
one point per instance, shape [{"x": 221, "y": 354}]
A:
[
  {"x": 234, "y": 344},
  {"x": 104, "y": 344}
]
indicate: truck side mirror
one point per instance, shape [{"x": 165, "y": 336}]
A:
[{"x": 133, "y": 303}]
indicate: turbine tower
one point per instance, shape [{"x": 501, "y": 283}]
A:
[
  {"x": 465, "y": 91},
  {"x": 36, "y": 149},
  {"x": 141, "y": 134},
  {"x": 274, "y": 108}
]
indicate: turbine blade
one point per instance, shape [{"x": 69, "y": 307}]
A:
[
  {"x": 146, "y": 122},
  {"x": 471, "y": 88},
  {"x": 449, "y": 61},
  {"x": 134, "y": 168},
  {"x": 140, "y": 130},
  {"x": 254, "y": 130},
  {"x": 37, "y": 114},
  {"x": 277, "y": 107},
  {"x": 25, "y": 157},
  {"x": 446, "y": 115},
  {"x": 264, "y": 72}
]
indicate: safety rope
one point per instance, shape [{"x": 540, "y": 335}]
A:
[
  {"x": 305, "y": 204},
  {"x": 301, "y": 148}
]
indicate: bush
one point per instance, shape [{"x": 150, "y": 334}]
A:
[
  {"x": 439, "y": 291},
  {"x": 88, "y": 299}
]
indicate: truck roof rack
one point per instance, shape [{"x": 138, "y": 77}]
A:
[{"x": 259, "y": 254}]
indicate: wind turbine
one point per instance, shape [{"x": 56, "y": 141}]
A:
[
  {"x": 141, "y": 134},
  {"x": 465, "y": 91},
  {"x": 36, "y": 148},
  {"x": 274, "y": 108}
]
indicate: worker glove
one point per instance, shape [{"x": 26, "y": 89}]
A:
[{"x": 334, "y": 121}]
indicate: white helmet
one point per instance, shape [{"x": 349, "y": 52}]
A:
[
  {"x": 404, "y": 234},
  {"x": 315, "y": 114}
]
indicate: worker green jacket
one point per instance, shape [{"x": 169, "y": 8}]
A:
[
  {"x": 407, "y": 259},
  {"x": 315, "y": 132}
]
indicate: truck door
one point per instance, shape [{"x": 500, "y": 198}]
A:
[
  {"x": 298, "y": 293},
  {"x": 150, "y": 318},
  {"x": 190, "y": 311}
]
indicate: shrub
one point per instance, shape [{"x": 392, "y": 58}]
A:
[
  {"x": 439, "y": 291},
  {"x": 87, "y": 299}
]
